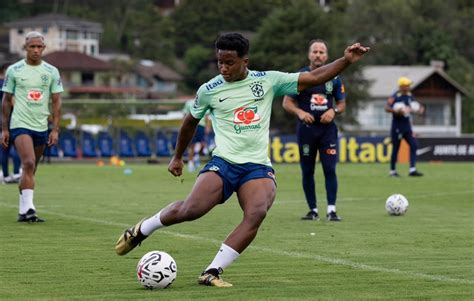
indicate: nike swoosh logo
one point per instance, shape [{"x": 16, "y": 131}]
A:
[
  {"x": 423, "y": 150},
  {"x": 222, "y": 99},
  {"x": 332, "y": 145}
]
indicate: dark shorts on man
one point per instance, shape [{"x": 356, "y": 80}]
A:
[
  {"x": 236, "y": 175},
  {"x": 39, "y": 138}
]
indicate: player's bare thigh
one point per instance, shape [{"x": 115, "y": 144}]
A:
[
  {"x": 256, "y": 196},
  {"x": 25, "y": 149},
  {"x": 207, "y": 192}
]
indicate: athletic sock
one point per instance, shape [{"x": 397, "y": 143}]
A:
[
  {"x": 331, "y": 208},
  {"x": 151, "y": 224},
  {"x": 26, "y": 200},
  {"x": 224, "y": 257},
  {"x": 412, "y": 169}
]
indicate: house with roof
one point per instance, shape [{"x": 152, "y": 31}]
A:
[
  {"x": 157, "y": 78},
  {"x": 87, "y": 76},
  {"x": 431, "y": 86},
  {"x": 61, "y": 32},
  {"x": 73, "y": 47}
]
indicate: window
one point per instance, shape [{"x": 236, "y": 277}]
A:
[
  {"x": 72, "y": 34},
  {"x": 20, "y": 31},
  {"x": 92, "y": 50},
  {"x": 45, "y": 30},
  {"x": 437, "y": 114},
  {"x": 87, "y": 78},
  {"x": 380, "y": 117}
]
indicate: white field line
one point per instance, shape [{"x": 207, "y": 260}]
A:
[
  {"x": 335, "y": 261},
  {"x": 412, "y": 196}
]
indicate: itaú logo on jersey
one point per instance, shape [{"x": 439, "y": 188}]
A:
[
  {"x": 246, "y": 115},
  {"x": 319, "y": 102},
  {"x": 35, "y": 95}
]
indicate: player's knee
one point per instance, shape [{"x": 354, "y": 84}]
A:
[
  {"x": 330, "y": 171},
  {"x": 29, "y": 165},
  {"x": 256, "y": 216}
]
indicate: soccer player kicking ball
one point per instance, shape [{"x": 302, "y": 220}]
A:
[{"x": 240, "y": 101}]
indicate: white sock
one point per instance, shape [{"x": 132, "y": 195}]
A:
[
  {"x": 331, "y": 208},
  {"x": 412, "y": 169},
  {"x": 224, "y": 257},
  {"x": 26, "y": 201},
  {"x": 315, "y": 210},
  {"x": 151, "y": 224},
  {"x": 392, "y": 172}
]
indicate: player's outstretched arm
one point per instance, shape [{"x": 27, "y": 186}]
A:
[
  {"x": 186, "y": 133},
  {"x": 322, "y": 74}
]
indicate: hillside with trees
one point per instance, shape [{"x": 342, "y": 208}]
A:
[{"x": 400, "y": 32}]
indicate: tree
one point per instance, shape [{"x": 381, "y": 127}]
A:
[
  {"x": 200, "y": 22},
  {"x": 281, "y": 43}
]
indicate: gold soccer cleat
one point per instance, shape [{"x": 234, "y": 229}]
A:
[
  {"x": 131, "y": 238},
  {"x": 211, "y": 278}
]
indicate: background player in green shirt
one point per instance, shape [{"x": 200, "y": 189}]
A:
[
  {"x": 240, "y": 104},
  {"x": 198, "y": 143},
  {"x": 32, "y": 82}
]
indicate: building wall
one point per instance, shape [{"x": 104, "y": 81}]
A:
[{"x": 56, "y": 39}]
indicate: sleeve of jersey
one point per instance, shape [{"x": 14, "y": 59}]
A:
[
  {"x": 9, "y": 82},
  {"x": 284, "y": 83},
  {"x": 57, "y": 85},
  {"x": 340, "y": 90},
  {"x": 201, "y": 104}
]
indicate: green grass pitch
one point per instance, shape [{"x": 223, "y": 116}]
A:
[{"x": 425, "y": 255}]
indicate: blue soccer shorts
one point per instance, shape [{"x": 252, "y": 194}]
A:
[{"x": 236, "y": 175}]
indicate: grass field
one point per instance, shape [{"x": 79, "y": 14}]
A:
[{"x": 424, "y": 255}]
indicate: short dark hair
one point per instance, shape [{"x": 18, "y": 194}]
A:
[
  {"x": 233, "y": 41},
  {"x": 318, "y": 41}
]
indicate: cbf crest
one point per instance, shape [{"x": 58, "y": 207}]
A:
[
  {"x": 257, "y": 89},
  {"x": 44, "y": 79},
  {"x": 329, "y": 87}
]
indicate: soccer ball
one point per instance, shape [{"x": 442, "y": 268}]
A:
[
  {"x": 415, "y": 106},
  {"x": 398, "y": 106},
  {"x": 156, "y": 269},
  {"x": 396, "y": 204}
]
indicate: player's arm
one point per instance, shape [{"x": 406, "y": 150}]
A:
[
  {"x": 389, "y": 107},
  {"x": 291, "y": 106},
  {"x": 324, "y": 73},
  {"x": 56, "y": 106},
  {"x": 330, "y": 114},
  {"x": 186, "y": 133},
  {"x": 7, "y": 104}
]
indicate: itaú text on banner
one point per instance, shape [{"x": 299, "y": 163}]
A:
[{"x": 284, "y": 149}]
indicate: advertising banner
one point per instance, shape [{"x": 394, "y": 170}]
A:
[
  {"x": 445, "y": 149},
  {"x": 355, "y": 149}
]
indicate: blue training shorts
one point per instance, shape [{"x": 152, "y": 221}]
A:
[
  {"x": 236, "y": 175},
  {"x": 39, "y": 138},
  {"x": 199, "y": 134}
]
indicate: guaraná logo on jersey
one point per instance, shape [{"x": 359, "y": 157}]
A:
[
  {"x": 319, "y": 102},
  {"x": 243, "y": 117},
  {"x": 35, "y": 95}
]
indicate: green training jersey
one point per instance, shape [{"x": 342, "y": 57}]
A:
[
  {"x": 31, "y": 87},
  {"x": 187, "y": 109},
  {"x": 240, "y": 113}
]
